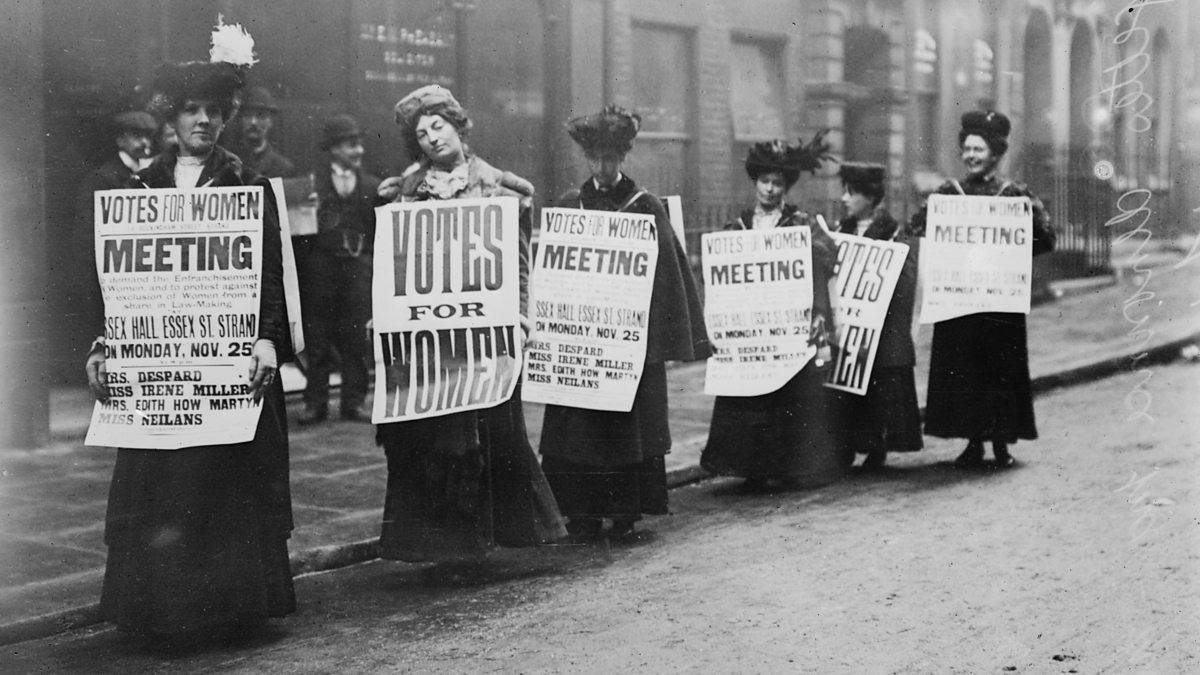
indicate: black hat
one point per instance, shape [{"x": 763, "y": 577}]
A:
[
  {"x": 790, "y": 160},
  {"x": 218, "y": 79},
  {"x": 859, "y": 173},
  {"x": 135, "y": 121},
  {"x": 986, "y": 123},
  {"x": 611, "y": 129},
  {"x": 259, "y": 98},
  {"x": 337, "y": 129},
  {"x": 991, "y": 126}
]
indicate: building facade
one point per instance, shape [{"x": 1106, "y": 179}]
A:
[{"x": 1103, "y": 95}]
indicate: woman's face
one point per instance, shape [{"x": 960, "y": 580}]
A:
[
  {"x": 198, "y": 124},
  {"x": 770, "y": 187},
  {"x": 605, "y": 166},
  {"x": 439, "y": 140},
  {"x": 856, "y": 204},
  {"x": 977, "y": 157}
]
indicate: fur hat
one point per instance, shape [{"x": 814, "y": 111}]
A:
[
  {"x": 135, "y": 121},
  {"x": 862, "y": 173},
  {"x": 218, "y": 79},
  {"x": 259, "y": 98},
  {"x": 790, "y": 160},
  {"x": 337, "y": 129},
  {"x": 612, "y": 129},
  {"x": 993, "y": 127},
  {"x": 432, "y": 99}
]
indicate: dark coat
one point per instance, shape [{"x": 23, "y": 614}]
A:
[
  {"x": 888, "y": 417},
  {"x": 788, "y": 433},
  {"x": 676, "y": 332},
  {"x": 269, "y": 163},
  {"x": 979, "y": 364},
  {"x": 346, "y": 225},
  {"x": 84, "y": 297},
  {"x": 895, "y": 339},
  {"x": 198, "y": 536}
]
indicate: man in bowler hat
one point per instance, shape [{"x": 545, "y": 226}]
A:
[
  {"x": 256, "y": 119},
  {"x": 335, "y": 281}
]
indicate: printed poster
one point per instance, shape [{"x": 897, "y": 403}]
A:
[
  {"x": 592, "y": 281},
  {"x": 181, "y": 273},
  {"x": 291, "y": 280},
  {"x": 866, "y": 274},
  {"x": 446, "y": 307},
  {"x": 758, "y": 291},
  {"x": 977, "y": 256}
]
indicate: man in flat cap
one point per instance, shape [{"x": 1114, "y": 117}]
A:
[
  {"x": 134, "y": 132},
  {"x": 335, "y": 281},
  {"x": 255, "y": 121}
]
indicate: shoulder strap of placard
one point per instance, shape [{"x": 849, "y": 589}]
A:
[
  {"x": 1004, "y": 187},
  {"x": 957, "y": 186},
  {"x": 632, "y": 198}
]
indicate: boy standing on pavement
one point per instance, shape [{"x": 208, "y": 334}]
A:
[{"x": 335, "y": 278}]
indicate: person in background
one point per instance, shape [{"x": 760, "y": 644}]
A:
[
  {"x": 786, "y": 438},
  {"x": 135, "y": 131},
  {"x": 461, "y": 483},
  {"x": 335, "y": 275},
  {"x": 610, "y": 465},
  {"x": 197, "y": 536},
  {"x": 256, "y": 118},
  {"x": 979, "y": 385},
  {"x": 887, "y": 418}
]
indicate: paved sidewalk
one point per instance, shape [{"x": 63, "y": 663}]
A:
[{"x": 52, "y": 500}]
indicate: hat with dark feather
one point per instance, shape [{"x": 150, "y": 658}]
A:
[
  {"x": 790, "y": 160},
  {"x": 612, "y": 129}
]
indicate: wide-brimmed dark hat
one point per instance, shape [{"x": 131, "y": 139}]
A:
[
  {"x": 612, "y": 129},
  {"x": 218, "y": 79},
  {"x": 790, "y": 160},
  {"x": 862, "y": 173},
  {"x": 337, "y": 129},
  {"x": 135, "y": 121},
  {"x": 259, "y": 98}
]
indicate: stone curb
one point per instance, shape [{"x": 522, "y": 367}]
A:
[{"x": 334, "y": 556}]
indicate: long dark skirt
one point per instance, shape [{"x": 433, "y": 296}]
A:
[
  {"x": 197, "y": 537},
  {"x": 462, "y": 483},
  {"x": 788, "y": 434},
  {"x": 979, "y": 379},
  {"x": 887, "y": 418},
  {"x": 605, "y": 464}
]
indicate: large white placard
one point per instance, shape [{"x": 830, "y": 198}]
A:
[
  {"x": 446, "y": 307},
  {"x": 977, "y": 256},
  {"x": 758, "y": 290},
  {"x": 865, "y": 276},
  {"x": 181, "y": 274},
  {"x": 592, "y": 281}
]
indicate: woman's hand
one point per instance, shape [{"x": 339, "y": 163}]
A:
[
  {"x": 97, "y": 371},
  {"x": 263, "y": 368},
  {"x": 389, "y": 188}
]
